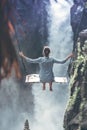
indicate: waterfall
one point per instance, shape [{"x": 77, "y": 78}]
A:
[{"x": 50, "y": 106}]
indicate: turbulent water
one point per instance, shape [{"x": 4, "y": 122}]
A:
[
  {"x": 50, "y": 106},
  {"x": 15, "y": 105}
]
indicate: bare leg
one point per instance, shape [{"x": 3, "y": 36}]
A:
[
  {"x": 50, "y": 85},
  {"x": 44, "y": 87}
]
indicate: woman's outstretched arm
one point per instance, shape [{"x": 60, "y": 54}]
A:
[
  {"x": 63, "y": 61},
  {"x": 37, "y": 60}
]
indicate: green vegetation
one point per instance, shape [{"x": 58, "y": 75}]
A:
[
  {"x": 83, "y": 104},
  {"x": 80, "y": 65},
  {"x": 81, "y": 59},
  {"x": 73, "y": 99}
]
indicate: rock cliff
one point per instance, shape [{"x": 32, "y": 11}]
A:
[
  {"x": 75, "y": 115},
  {"x": 78, "y": 18},
  {"x": 76, "y": 112}
]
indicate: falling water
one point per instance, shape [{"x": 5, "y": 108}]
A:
[{"x": 50, "y": 106}]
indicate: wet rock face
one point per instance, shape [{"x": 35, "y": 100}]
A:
[
  {"x": 75, "y": 116},
  {"x": 78, "y": 17}
]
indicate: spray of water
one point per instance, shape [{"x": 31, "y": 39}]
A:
[
  {"x": 14, "y": 105},
  {"x": 50, "y": 106}
]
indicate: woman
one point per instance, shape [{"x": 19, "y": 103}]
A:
[{"x": 46, "y": 66}]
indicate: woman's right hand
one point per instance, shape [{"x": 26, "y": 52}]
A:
[
  {"x": 21, "y": 54},
  {"x": 71, "y": 55}
]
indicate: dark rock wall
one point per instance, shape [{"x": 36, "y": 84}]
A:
[
  {"x": 8, "y": 57},
  {"x": 78, "y": 18},
  {"x": 75, "y": 115}
]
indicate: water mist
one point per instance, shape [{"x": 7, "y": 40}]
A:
[{"x": 50, "y": 106}]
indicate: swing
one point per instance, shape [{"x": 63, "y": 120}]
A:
[{"x": 34, "y": 78}]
